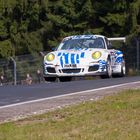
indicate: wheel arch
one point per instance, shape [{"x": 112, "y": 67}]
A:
[
  {"x": 109, "y": 57},
  {"x": 106, "y": 55}
]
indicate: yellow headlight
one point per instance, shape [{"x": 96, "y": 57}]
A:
[
  {"x": 50, "y": 57},
  {"x": 96, "y": 55}
]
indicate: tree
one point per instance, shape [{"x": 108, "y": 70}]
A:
[
  {"x": 44, "y": 23},
  {"x": 3, "y": 31},
  {"x": 6, "y": 49}
]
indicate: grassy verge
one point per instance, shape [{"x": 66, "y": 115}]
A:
[{"x": 112, "y": 118}]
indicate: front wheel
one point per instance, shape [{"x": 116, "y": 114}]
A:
[{"x": 108, "y": 70}]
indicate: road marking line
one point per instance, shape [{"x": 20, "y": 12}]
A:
[{"x": 75, "y": 93}]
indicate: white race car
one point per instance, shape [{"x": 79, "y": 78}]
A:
[{"x": 83, "y": 55}]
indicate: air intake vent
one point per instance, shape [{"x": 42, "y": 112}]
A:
[
  {"x": 93, "y": 68},
  {"x": 71, "y": 70},
  {"x": 51, "y": 70}
]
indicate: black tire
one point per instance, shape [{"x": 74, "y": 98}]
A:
[
  {"x": 65, "y": 79},
  {"x": 123, "y": 72},
  {"x": 108, "y": 70},
  {"x": 50, "y": 79}
]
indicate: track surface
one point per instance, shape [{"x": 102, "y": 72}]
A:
[{"x": 17, "y": 94}]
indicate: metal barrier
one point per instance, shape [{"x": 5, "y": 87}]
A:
[{"x": 15, "y": 70}]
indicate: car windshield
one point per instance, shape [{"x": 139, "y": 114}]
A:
[{"x": 77, "y": 44}]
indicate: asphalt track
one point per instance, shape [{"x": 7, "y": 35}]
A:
[{"x": 23, "y": 93}]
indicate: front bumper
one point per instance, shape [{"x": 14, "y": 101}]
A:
[{"x": 56, "y": 71}]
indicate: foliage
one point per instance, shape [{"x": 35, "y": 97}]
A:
[
  {"x": 32, "y": 26},
  {"x": 6, "y": 49}
]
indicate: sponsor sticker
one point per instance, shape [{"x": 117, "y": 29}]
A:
[{"x": 70, "y": 66}]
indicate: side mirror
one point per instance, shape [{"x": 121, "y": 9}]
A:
[{"x": 54, "y": 48}]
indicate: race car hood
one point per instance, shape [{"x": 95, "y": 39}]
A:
[{"x": 78, "y": 57}]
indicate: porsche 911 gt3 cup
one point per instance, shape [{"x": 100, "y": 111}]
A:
[{"x": 83, "y": 55}]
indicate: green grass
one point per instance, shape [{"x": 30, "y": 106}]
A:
[{"x": 112, "y": 118}]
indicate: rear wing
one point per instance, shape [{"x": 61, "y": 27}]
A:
[{"x": 118, "y": 39}]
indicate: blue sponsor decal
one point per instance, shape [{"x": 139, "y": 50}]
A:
[
  {"x": 119, "y": 59},
  {"x": 77, "y": 37},
  {"x": 82, "y": 36},
  {"x": 82, "y": 55},
  {"x": 102, "y": 62},
  {"x": 77, "y": 59},
  {"x": 119, "y": 52},
  {"x": 70, "y": 58},
  {"x": 66, "y": 57},
  {"x": 59, "y": 54},
  {"x": 61, "y": 61},
  {"x": 86, "y": 49}
]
